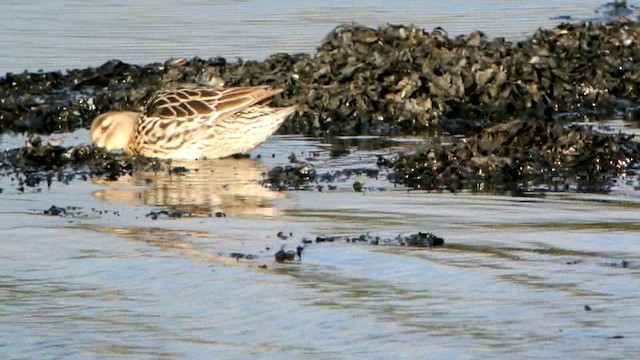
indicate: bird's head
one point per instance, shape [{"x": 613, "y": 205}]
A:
[{"x": 114, "y": 130}]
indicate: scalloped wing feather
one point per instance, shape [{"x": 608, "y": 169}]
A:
[{"x": 205, "y": 104}]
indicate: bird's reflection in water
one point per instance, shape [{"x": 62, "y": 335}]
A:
[{"x": 230, "y": 186}]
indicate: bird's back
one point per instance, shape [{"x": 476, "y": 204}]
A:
[{"x": 197, "y": 122}]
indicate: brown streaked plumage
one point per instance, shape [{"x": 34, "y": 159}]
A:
[{"x": 193, "y": 122}]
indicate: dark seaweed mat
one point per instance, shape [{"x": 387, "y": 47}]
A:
[
  {"x": 399, "y": 79},
  {"x": 36, "y": 164},
  {"x": 394, "y": 79},
  {"x": 519, "y": 155}
]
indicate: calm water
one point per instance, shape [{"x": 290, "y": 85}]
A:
[
  {"x": 106, "y": 281},
  {"x": 79, "y": 33}
]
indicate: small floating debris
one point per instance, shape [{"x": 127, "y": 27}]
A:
[
  {"x": 68, "y": 211},
  {"x": 290, "y": 177},
  {"x": 357, "y": 186},
  {"x": 179, "y": 170},
  {"x": 621, "y": 264},
  {"x": 285, "y": 255},
  {"x": 56, "y": 211},
  {"x": 240, "y": 256},
  {"x": 218, "y": 214},
  {"x": 421, "y": 239},
  {"x": 174, "y": 214}
]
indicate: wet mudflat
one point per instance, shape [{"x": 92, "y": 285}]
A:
[{"x": 541, "y": 275}]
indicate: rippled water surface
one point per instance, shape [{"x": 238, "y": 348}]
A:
[
  {"x": 512, "y": 281},
  {"x": 538, "y": 275}
]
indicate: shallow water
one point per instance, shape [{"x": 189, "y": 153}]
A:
[
  {"x": 108, "y": 281},
  {"x": 512, "y": 281}
]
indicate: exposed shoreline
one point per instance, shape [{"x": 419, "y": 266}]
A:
[{"x": 512, "y": 101}]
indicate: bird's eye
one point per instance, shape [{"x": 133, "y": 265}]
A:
[{"x": 104, "y": 129}]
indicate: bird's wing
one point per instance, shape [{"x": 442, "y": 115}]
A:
[{"x": 202, "y": 103}]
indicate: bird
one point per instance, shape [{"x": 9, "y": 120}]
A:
[{"x": 193, "y": 122}]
